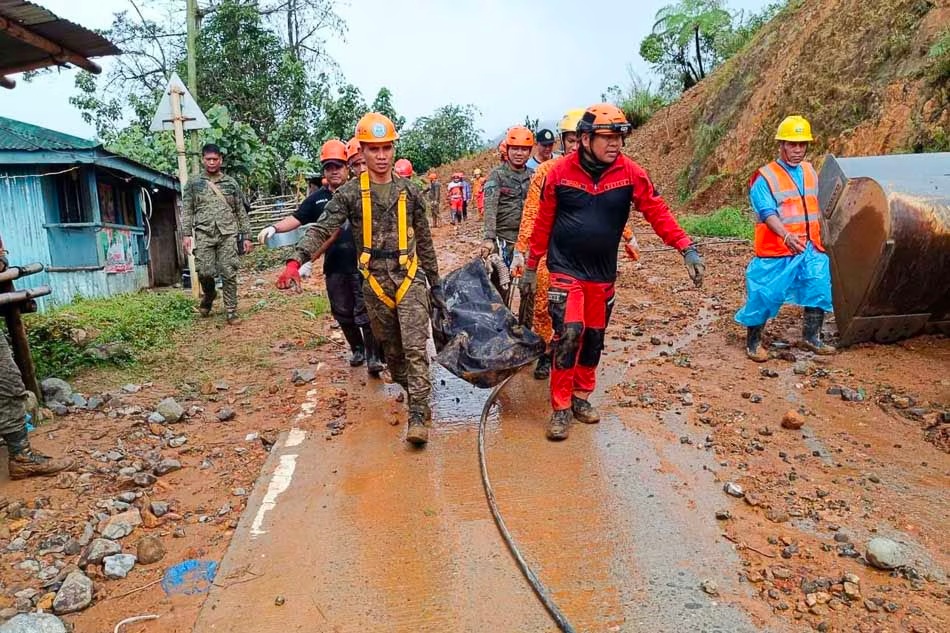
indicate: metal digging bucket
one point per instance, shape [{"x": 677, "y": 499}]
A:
[{"x": 887, "y": 231}]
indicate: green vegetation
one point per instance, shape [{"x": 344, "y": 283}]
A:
[
  {"x": 726, "y": 222},
  {"x": 61, "y": 340},
  {"x": 639, "y": 100},
  {"x": 939, "y": 56}
]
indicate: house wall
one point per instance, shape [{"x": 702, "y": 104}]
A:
[{"x": 22, "y": 215}]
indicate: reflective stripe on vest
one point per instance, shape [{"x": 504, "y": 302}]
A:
[
  {"x": 798, "y": 209},
  {"x": 410, "y": 263}
]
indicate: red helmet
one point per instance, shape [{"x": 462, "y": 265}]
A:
[{"x": 403, "y": 168}]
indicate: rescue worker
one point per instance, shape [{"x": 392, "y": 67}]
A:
[
  {"x": 456, "y": 196},
  {"x": 790, "y": 264},
  {"x": 213, "y": 208},
  {"x": 23, "y": 460},
  {"x": 344, "y": 286},
  {"x": 503, "y": 151},
  {"x": 543, "y": 148},
  {"x": 478, "y": 191},
  {"x": 585, "y": 204},
  {"x": 534, "y": 310},
  {"x": 466, "y": 195},
  {"x": 505, "y": 191},
  {"x": 354, "y": 158},
  {"x": 434, "y": 197},
  {"x": 397, "y": 261},
  {"x": 403, "y": 168}
]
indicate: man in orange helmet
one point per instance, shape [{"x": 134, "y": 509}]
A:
[
  {"x": 505, "y": 191},
  {"x": 397, "y": 261},
  {"x": 434, "y": 197},
  {"x": 354, "y": 158},
  {"x": 344, "y": 286},
  {"x": 456, "y": 195},
  {"x": 478, "y": 191},
  {"x": 585, "y": 205}
]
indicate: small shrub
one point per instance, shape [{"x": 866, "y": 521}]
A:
[
  {"x": 726, "y": 222},
  {"x": 140, "y": 322},
  {"x": 939, "y": 55}
]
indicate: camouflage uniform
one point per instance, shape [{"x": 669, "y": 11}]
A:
[
  {"x": 403, "y": 331},
  {"x": 505, "y": 192},
  {"x": 12, "y": 392},
  {"x": 216, "y": 222},
  {"x": 434, "y": 199}
]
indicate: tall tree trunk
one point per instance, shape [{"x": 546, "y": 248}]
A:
[{"x": 699, "y": 54}]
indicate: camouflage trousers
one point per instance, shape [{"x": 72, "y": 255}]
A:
[
  {"x": 403, "y": 333},
  {"x": 12, "y": 392},
  {"x": 216, "y": 254}
]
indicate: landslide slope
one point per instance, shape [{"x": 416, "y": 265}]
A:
[{"x": 862, "y": 72}]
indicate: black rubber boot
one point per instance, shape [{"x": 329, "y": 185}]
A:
[
  {"x": 209, "y": 293},
  {"x": 753, "y": 344},
  {"x": 812, "y": 320},
  {"x": 543, "y": 369},
  {"x": 374, "y": 356},
  {"x": 354, "y": 337},
  {"x": 25, "y": 462}
]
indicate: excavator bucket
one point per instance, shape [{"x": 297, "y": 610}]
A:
[{"x": 886, "y": 227}]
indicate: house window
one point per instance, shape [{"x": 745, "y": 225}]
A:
[
  {"x": 116, "y": 203},
  {"x": 69, "y": 194}
]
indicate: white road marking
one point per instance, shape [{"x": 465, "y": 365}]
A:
[
  {"x": 279, "y": 482},
  {"x": 295, "y": 437}
]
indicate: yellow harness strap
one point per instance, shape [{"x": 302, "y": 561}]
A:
[{"x": 411, "y": 264}]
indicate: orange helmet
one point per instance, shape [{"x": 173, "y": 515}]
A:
[
  {"x": 334, "y": 149},
  {"x": 503, "y": 150},
  {"x": 519, "y": 136},
  {"x": 352, "y": 148},
  {"x": 376, "y": 128},
  {"x": 403, "y": 167},
  {"x": 433, "y": 176},
  {"x": 604, "y": 118}
]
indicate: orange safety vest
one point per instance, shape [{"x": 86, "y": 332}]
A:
[{"x": 798, "y": 210}]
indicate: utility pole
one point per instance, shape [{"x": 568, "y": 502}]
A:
[
  {"x": 191, "y": 18},
  {"x": 179, "y": 122}
]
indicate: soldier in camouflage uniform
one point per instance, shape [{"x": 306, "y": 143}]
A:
[
  {"x": 505, "y": 191},
  {"x": 433, "y": 193},
  {"x": 23, "y": 460},
  {"x": 214, "y": 209},
  {"x": 398, "y": 309}
]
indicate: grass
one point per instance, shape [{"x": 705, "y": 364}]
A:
[
  {"x": 939, "y": 56},
  {"x": 726, "y": 222},
  {"x": 136, "y": 322}
]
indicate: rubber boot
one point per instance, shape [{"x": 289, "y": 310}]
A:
[
  {"x": 208, "y": 292},
  {"x": 233, "y": 318},
  {"x": 354, "y": 337},
  {"x": 753, "y": 344},
  {"x": 417, "y": 432},
  {"x": 374, "y": 360},
  {"x": 812, "y": 320},
  {"x": 584, "y": 411},
  {"x": 543, "y": 369},
  {"x": 559, "y": 425},
  {"x": 25, "y": 462}
]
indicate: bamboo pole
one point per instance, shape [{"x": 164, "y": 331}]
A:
[{"x": 179, "y": 123}]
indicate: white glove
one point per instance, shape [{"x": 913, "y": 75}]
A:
[
  {"x": 306, "y": 270},
  {"x": 266, "y": 234},
  {"x": 517, "y": 264}
]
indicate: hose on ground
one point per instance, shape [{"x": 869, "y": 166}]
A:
[{"x": 539, "y": 589}]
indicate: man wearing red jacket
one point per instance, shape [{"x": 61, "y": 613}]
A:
[{"x": 585, "y": 204}]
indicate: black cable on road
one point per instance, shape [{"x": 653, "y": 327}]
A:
[{"x": 539, "y": 589}]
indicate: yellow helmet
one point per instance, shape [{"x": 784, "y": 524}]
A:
[
  {"x": 794, "y": 128},
  {"x": 570, "y": 120}
]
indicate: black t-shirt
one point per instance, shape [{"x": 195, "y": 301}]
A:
[{"x": 341, "y": 257}]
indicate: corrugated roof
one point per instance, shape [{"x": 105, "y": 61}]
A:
[
  {"x": 15, "y": 53},
  {"x": 17, "y": 135}
]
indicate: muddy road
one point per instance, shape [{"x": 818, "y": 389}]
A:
[{"x": 323, "y": 519}]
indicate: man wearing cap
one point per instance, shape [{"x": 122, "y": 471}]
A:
[
  {"x": 790, "y": 264},
  {"x": 543, "y": 148},
  {"x": 397, "y": 261},
  {"x": 344, "y": 286}
]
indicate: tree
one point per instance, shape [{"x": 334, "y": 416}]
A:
[
  {"x": 303, "y": 25},
  {"x": 342, "y": 113},
  {"x": 445, "y": 135},
  {"x": 383, "y": 103},
  {"x": 532, "y": 124},
  {"x": 682, "y": 45}
]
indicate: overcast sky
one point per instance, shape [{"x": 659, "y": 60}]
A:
[{"x": 507, "y": 57}]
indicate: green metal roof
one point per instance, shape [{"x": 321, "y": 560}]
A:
[{"x": 17, "y": 135}]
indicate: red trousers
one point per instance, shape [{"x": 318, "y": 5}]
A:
[{"x": 580, "y": 311}]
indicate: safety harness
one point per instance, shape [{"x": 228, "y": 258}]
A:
[{"x": 409, "y": 263}]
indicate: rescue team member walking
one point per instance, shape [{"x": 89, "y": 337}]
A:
[
  {"x": 456, "y": 196},
  {"x": 534, "y": 312},
  {"x": 22, "y": 459},
  {"x": 543, "y": 148},
  {"x": 397, "y": 261},
  {"x": 354, "y": 158},
  {"x": 478, "y": 191},
  {"x": 790, "y": 264},
  {"x": 344, "y": 286},
  {"x": 505, "y": 192},
  {"x": 213, "y": 209},
  {"x": 585, "y": 204},
  {"x": 434, "y": 197}
]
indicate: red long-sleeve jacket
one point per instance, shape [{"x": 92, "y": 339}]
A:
[{"x": 580, "y": 221}]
